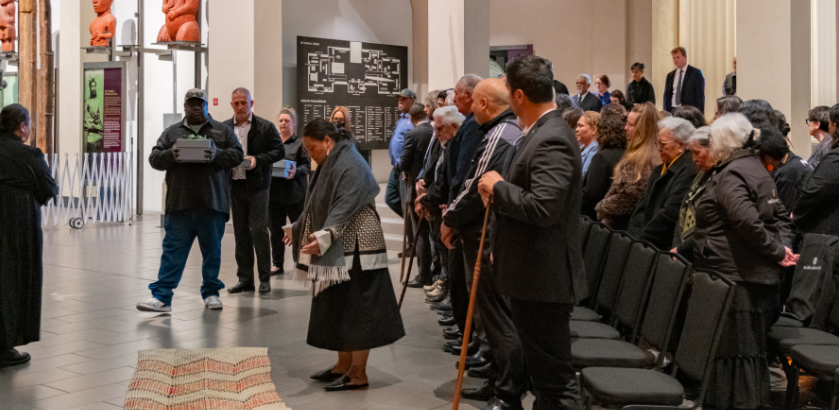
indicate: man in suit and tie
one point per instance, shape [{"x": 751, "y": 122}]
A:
[
  {"x": 413, "y": 155},
  {"x": 685, "y": 85},
  {"x": 537, "y": 259},
  {"x": 584, "y": 99}
]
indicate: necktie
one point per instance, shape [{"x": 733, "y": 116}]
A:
[{"x": 679, "y": 89}]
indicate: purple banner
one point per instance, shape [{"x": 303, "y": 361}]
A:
[{"x": 113, "y": 110}]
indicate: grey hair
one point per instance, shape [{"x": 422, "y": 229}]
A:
[
  {"x": 680, "y": 129},
  {"x": 702, "y": 135},
  {"x": 468, "y": 82},
  {"x": 728, "y": 134},
  {"x": 448, "y": 115},
  {"x": 588, "y": 78}
]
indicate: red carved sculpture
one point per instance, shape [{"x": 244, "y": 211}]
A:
[
  {"x": 7, "y": 25},
  {"x": 104, "y": 25},
  {"x": 181, "y": 24}
]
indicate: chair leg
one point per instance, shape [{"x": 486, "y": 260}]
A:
[{"x": 791, "y": 399}]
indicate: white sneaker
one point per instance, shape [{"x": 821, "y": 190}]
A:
[
  {"x": 435, "y": 292},
  {"x": 431, "y": 287},
  {"x": 213, "y": 303},
  {"x": 154, "y": 305}
]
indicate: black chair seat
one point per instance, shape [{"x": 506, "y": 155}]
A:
[
  {"x": 821, "y": 359},
  {"x": 788, "y": 322},
  {"x": 620, "y": 387},
  {"x": 584, "y": 314},
  {"x": 593, "y": 330},
  {"x": 784, "y": 338},
  {"x": 609, "y": 353}
]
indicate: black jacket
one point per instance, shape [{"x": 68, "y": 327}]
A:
[
  {"x": 292, "y": 191},
  {"x": 657, "y": 214},
  {"x": 693, "y": 89},
  {"x": 414, "y": 150},
  {"x": 266, "y": 146},
  {"x": 590, "y": 103},
  {"x": 598, "y": 179},
  {"x": 740, "y": 215},
  {"x": 639, "y": 92},
  {"x": 791, "y": 179},
  {"x": 536, "y": 243},
  {"x": 197, "y": 185},
  {"x": 817, "y": 210},
  {"x": 459, "y": 151},
  {"x": 434, "y": 178},
  {"x": 729, "y": 85}
]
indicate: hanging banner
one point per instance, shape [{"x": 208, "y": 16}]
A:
[{"x": 103, "y": 107}]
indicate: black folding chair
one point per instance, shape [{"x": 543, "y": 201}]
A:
[
  {"x": 585, "y": 228},
  {"x": 609, "y": 277},
  {"x": 821, "y": 361}
]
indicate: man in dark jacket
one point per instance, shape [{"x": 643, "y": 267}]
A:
[
  {"x": 639, "y": 90},
  {"x": 249, "y": 196},
  {"x": 817, "y": 210},
  {"x": 657, "y": 213},
  {"x": 413, "y": 154},
  {"x": 197, "y": 201},
  {"x": 538, "y": 262},
  {"x": 685, "y": 85},
  {"x": 584, "y": 99}
]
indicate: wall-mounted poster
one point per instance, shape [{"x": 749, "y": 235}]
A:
[
  {"x": 102, "y": 107},
  {"x": 8, "y": 95},
  {"x": 364, "y": 77}
]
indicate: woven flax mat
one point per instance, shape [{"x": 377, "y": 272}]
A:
[{"x": 203, "y": 379}]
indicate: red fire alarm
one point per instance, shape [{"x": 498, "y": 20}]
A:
[{"x": 215, "y": 101}]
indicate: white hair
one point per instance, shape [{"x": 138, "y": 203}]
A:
[
  {"x": 588, "y": 78},
  {"x": 468, "y": 82},
  {"x": 448, "y": 115},
  {"x": 728, "y": 134},
  {"x": 702, "y": 135},
  {"x": 680, "y": 129},
  {"x": 450, "y": 97}
]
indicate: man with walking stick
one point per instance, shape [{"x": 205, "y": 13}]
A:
[{"x": 537, "y": 260}]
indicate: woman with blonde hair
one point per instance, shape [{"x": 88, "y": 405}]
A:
[
  {"x": 431, "y": 104},
  {"x": 587, "y": 137},
  {"x": 633, "y": 171}
]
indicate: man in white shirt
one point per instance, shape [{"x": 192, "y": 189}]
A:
[{"x": 685, "y": 85}]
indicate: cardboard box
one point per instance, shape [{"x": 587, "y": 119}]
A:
[
  {"x": 194, "y": 151},
  {"x": 282, "y": 168}
]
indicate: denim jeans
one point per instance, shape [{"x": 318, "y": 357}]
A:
[{"x": 181, "y": 230}]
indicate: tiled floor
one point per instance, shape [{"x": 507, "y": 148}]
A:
[{"x": 91, "y": 332}]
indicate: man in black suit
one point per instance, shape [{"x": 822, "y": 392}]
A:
[
  {"x": 537, "y": 259},
  {"x": 685, "y": 85},
  {"x": 729, "y": 86},
  {"x": 584, "y": 99},
  {"x": 249, "y": 194},
  {"x": 413, "y": 154}
]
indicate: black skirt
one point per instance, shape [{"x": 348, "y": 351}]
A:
[
  {"x": 740, "y": 376},
  {"x": 358, "y": 314}
]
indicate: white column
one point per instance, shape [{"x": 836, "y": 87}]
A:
[
  {"x": 232, "y": 52},
  {"x": 639, "y": 36},
  {"x": 665, "y": 37},
  {"x": 824, "y": 53},
  {"x": 710, "y": 43},
  {"x": 69, "y": 78},
  {"x": 268, "y": 58}
]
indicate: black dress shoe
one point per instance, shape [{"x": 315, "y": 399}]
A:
[
  {"x": 277, "y": 272},
  {"x": 418, "y": 283},
  {"x": 472, "y": 349},
  {"x": 326, "y": 375},
  {"x": 445, "y": 305},
  {"x": 264, "y": 287},
  {"x": 497, "y": 404},
  {"x": 483, "y": 393},
  {"x": 446, "y": 321},
  {"x": 241, "y": 287},
  {"x": 447, "y": 347},
  {"x": 12, "y": 357},
  {"x": 483, "y": 372},
  {"x": 343, "y": 384},
  {"x": 476, "y": 360},
  {"x": 452, "y": 335}
]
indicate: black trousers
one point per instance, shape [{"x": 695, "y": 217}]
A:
[
  {"x": 250, "y": 226},
  {"x": 497, "y": 320},
  {"x": 546, "y": 342},
  {"x": 439, "y": 252},
  {"x": 422, "y": 248},
  {"x": 457, "y": 285},
  {"x": 277, "y": 214}
]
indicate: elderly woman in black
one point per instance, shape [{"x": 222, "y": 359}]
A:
[
  {"x": 740, "y": 215},
  {"x": 25, "y": 185},
  {"x": 341, "y": 254},
  {"x": 611, "y": 141}
]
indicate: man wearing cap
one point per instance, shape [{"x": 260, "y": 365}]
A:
[
  {"x": 197, "y": 201},
  {"x": 393, "y": 194}
]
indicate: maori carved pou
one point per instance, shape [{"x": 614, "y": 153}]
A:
[
  {"x": 7, "y": 25},
  {"x": 181, "y": 24},
  {"x": 104, "y": 25}
]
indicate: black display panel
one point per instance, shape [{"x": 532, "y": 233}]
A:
[{"x": 364, "y": 77}]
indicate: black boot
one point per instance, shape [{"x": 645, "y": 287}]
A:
[
  {"x": 483, "y": 393},
  {"x": 12, "y": 357}
]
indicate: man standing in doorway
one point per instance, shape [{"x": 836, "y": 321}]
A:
[
  {"x": 729, "y": 86},
  {"x": 685, "y": 85}
]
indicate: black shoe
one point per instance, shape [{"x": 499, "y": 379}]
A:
[
  {"x": 12, "y": 357},
  {"x": 445, "y": 305},
  {"x": 452, "y": 334},
  {"x": 418, "y": 283},
  {"x": 277, "y": 272},
  {"x": 497, "y": 404},
  {"x": 472, "y": 349},
  {"x": 447, "y": 347},
  {"x": 483, "y": 393},
  {"x": 264, "y": 287},
  {"x": 343, "y": 384},
  {"x": 242, "y": 287},
  {"x": 476, "y": 360},
  {"x": 483, "y": 372},
  {"x": 326, "y": 375},
  {"x": 446, "y": 321}
]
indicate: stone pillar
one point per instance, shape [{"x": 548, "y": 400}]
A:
[
  {"x": 268, "y": 59},
  {"x": 710, "y": 43},
  {"x": 639, "y": 37},
  {"x": 773, "y": 61},
  {"x": 476, "y": 36},
  {"x": 664, "y": 38},
  {"x": 69, "y": 77},
  {"x": 824, "y": 53}
]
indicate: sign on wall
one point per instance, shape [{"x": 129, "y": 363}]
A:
[
  {"x": 8, "y": 95},
  {"x": 103, "y": 103},
  {"x": 364, "y": 77}
]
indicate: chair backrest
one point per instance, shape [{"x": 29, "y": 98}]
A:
[
  {"x": 585, "y": 228},
  {"x": 710, "y": 299},
  {"x": 665, "y": 298},
  {"x": 635, "y": 284},
  {"x": 613, "y": 269},
  {"x": 598, "y": 240}
]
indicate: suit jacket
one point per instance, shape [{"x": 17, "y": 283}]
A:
[
  {"x": 264, "y": 144},
  {"x": 693, "y": 89},
  {"x": 590, "y": 102},
  {"x": 817, "y": 210},
  {"x": 413, "y": 152},
  {"x": 729, "y": 86},
  {"x": 536, "y": 244}
]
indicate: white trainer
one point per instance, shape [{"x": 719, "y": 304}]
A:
[
  {"x": 431, "y": 287},
  {"x": 213, "y": 303},
  {"x": 154, "y": 305}
]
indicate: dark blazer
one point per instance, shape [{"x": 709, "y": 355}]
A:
[
  {"x": 657, "y": 213},
  {"x": 817, "y": 210},
  {"x": 729, "y": 86},
  {"x": 590, "y": 102},
  {"x": 598, "y": 179},
  {"x": 292, "y": 191},
  {"x": 693, "y": 89},
  {"x": 266, "y": 146},
  {"x": 536, "y": 244},
  {"x": 560, "y": 88},
  {"x": 639, "y": 92},
  {"x": 791, "y": 178},
  {"x": 413, "y": 152}
]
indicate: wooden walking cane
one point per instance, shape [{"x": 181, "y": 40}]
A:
[
  {"x": 405, "y": 217},
  {"x": 469, "y": 313},
  {"x": 410, "y": 265}
]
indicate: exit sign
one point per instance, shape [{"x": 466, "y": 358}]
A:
[{"x": 215, "y": 101}]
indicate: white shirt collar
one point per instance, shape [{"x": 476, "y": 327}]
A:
[
  {"x": 250, "y": 120},
  {"x": 526, "y": 130}
]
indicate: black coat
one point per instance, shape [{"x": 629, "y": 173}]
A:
[
  {"x": 817, "y": 210},
  {"x": 791, "y": 179},
  {"x": 639, "y": 92},
  {"x": 414, "y": 150},
  {"x": 590, "y": 103},
  {"x": 25, "y": 185},
  {"x": 693, "y": 89},
  {"x": 598, "y": 179},
  {"x": 292, "y": 191},
  {"x": 266, "y": 146},
  {"x": 536, "y": 243},
  {"x": 657, "y": 214}
]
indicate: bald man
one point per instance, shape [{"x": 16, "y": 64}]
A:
[{"x": 465, "y": 215}]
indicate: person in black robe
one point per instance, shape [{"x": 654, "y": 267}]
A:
[{"x": 25, "y": 185}]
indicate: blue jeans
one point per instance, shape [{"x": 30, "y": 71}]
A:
[{"x": 181, "y": 230}]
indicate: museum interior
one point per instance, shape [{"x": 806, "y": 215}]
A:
[{"x": 678, "y": 252}]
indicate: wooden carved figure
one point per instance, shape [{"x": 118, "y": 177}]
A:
[
  {"x": 104, "y": 25},
  {"x": 7, "y": 25},
  {"x": 181, "y": 24}
]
